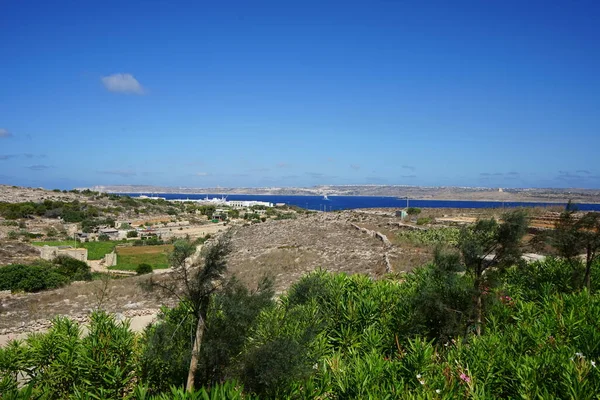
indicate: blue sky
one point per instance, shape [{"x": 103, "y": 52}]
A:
[{"x": 300, "y": 93}]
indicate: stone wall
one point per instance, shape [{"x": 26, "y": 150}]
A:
[
  {"x": 110, "y": 259},
  {"x": 51, "y": 252},
  {"x": 375, "y": 234}
]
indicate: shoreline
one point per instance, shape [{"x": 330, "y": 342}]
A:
[{"x": 534, "y": 201}]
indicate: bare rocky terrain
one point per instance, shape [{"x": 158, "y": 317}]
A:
[
  {"x": 288, "y": 249},
  {"x": 16, "y": 194}
]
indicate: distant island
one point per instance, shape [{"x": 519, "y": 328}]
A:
[{"x": 414, "y": 192}]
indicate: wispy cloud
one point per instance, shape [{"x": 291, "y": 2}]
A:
[
  {"x": 491, "y": 174},
  {"x": 201, "y": 174},
  {"x": 4, "y": 133},
  {"x": 409, "y": 167},
  {"x": 119, "y": 172},
  {"x": 122, "y": 83},
  {"x": 24, "y": 155},
  {"x": 38, "y": 167},
  {"x": 282, "y": 165},
  {"x": 580, "y": 176},
  {"x": 408, "y": 176},
  {"x": 355, "y": 167}
]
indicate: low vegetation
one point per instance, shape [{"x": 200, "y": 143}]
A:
[
  {"x": 43, "y": 275},
  {"x": 475, "y": 323},
  {"x": 447, "y": 236}
]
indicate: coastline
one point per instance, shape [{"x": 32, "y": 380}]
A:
[{"x": 532, "y": 200}]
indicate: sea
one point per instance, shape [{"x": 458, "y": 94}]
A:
[{"x": 333, "y": 203}]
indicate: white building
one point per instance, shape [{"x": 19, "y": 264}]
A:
[{"x": 246, "y": 204}]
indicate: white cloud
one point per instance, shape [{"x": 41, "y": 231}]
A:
[
  {"x": 5, "y": 133},
  {"x": 122, "y": 83},
  {"x": 202, "y": 174}
]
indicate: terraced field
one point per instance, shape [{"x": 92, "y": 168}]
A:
[{"x": 128, "y": 258}]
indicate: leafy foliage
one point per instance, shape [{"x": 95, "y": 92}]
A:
[
  {"x": 62, "y": 363},
  {"x": 143, "y": 269},
  {"x": 168, "y": 344},
  {"x": 43, "y": 275}
]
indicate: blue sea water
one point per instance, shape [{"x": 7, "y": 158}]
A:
[{"x": 353, "y": 202}]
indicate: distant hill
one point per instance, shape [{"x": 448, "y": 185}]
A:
[{"x": 414, "y": 192}]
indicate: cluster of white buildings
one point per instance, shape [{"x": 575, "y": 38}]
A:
[
  {"x": 229, "y": 203},
  {"x": 247, "y": 203}
]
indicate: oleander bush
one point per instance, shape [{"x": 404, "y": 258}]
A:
[{"x": 337, "y": 336}]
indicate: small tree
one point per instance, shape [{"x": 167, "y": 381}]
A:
[
  {"x": 132, "y": 234},
  {"x": 195, "y": 283},
  {"x": 487, "y": 244},
  {"x": 413, "y": 211},
  {"x": 573, "y": 236},
  {"x": 143, "y": 268}
]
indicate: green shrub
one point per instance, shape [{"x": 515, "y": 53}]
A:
[
  {"x": 30, "y": 278},
  {"x": 413, "y": 211},
  {"x": 132, "y": 234},
  {"x": 43, "y": 275},
  {"x": 423, "y": 220},
  {"x": 72, "y": 269},
  {"x": 100, "y": 365},
  {"x": 143, "y": 269},
  {"x": 103, "y": 237},
  {"x": 431, "y": 236},
  {"x": 10, "y": 223}
]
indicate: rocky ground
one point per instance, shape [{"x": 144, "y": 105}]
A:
[
  {"x": 21, "y": 313},
  {"x": 288, "y": 249},
  {"x": 15, "y": 194},
  {"x": 16, "y": 252}
]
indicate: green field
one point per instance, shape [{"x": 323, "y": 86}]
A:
[
  {"x": 128, "y": 258},
  {"x": 96, "y": 250}
]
